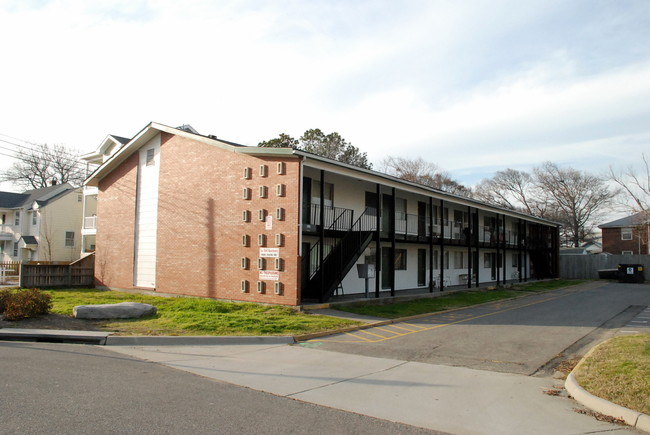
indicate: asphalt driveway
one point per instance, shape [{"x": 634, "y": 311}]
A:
[{"x": 523, "y": 335}]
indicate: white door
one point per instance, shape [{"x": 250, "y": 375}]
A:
[{"x": 146, "y": 218}]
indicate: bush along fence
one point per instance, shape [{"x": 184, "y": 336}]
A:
[
  {"x": 587, "y": 266},
  {"x": 79, "y": 273}
]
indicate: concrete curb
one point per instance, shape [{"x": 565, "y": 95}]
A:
[
  {"x": 53, "y": 335},
  {"x": 197, "y": 340},
  {"x": 633, "y": 418}
]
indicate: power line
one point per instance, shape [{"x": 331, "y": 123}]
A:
[{"x": 34, "y": 147}]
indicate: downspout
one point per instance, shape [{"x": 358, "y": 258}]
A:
[
  {"x": 431, "y": 276},
  {"x": 442, "y": 245},
  {"x": 468, "y": 240},
  {"x": 321, "y": 235},
  {"x": 392, "y": 242},
  {"x": 378, "y": 242}
]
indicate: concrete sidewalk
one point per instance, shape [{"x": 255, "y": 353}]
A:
[{"x": 451, "y": 399}]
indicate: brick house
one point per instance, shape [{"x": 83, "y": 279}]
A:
[
  {"x": 628, "y": 235},
  {"x": 178, "y": 212}
]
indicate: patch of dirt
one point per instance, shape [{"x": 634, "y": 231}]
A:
[
  {"x": 52, "y": 321},
  {"x": 600, "y": 417},
  {"x": 566, "y": 366}
]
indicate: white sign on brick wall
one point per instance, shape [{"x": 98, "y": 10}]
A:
[
  {"x": 268, "y": 225},
  {"x": 270, "y": 252},
  {"x": 269, "y": 275}
]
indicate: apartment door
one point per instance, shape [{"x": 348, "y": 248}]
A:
[
  {"x": 422, "y": 219},
  {"x": 422, "y": 267},
  {"x": 386, "y": 275}
]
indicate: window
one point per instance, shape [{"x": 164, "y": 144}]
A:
[
  {"x": 278, "y": 240},
  {"x": 244, "y": 263},
  {"x": 281, "y": 168},
  {"x": 261, "y": 263},
  {"x": 515, "y": 260},
  {"x": 15, "y": 249},
  {"x": 244, "y": 286},
  {"x": 3, "y": 219},
  {"x": 263, "y": 170},
  {"x": 279, "y": 213},
  {"x": 69, "y": 239},
  {"x": 261, "y": 286},
  {"x": 279, "y": 189},
  {"x": 626, "y": 234},
  {"x": 263, "y": 192},
  {"x": 79, "y": 198},
  {"x": 446, "y": 260},
  {"x": 17, "y": 219},
  {"x": 247, "y": 173},
  {"x": 150, "y": 157},
  {"x": 261, "y": 215},
  {"x": 261, "y": 240},
  {"x": 246, "y": 216},
  {"x": 245, "y": 240},
  {"x": 487, "y": 260},
  {"x": 400, "y": 259},
  {"x": 277, "y": 288},
  {"x": 459, "y": 260},
  {"x": 33, "y": 218},
  {"x": 246, "y": 193},
  {"x": 627, "y": 253},
  {"x": 278, "y": 264}
]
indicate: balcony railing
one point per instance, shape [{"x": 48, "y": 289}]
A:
[{"x": 90, "y": 222}]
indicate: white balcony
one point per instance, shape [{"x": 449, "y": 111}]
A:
[
  {"x": 6, "y": 232},
  {"x": 89, "y": 226}
]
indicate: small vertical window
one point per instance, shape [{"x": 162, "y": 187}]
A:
[
  {"x": 261, "y": 263},
  {"x": 279, "y": 213},
  {"x": 244, "y": 286},
  {"x": 263, "y": 192},
  {"x": 261, "y": 215},
  {"x": 246, "y": 216},
  {"x": 277, "y": 288},
  {"x": 279, "y": 189},
  {"x": 69, "y": 239},
  {"x": 261, "y": 286},
  {"x": 281, "y": 168},
  {"x": 263, "y": 170},
  {"x": 17, "y": 219},
  {"x": 15, "y": 249},
  {"x": 247, "y": 173},
  {"x": 246, "y": 193},
  {"x": 244, "y": 263},
  {"x": 245, "y": 240},
  {"x": 261, "y": 240},
  {"x": 34, "y": 218},
  {"x": 278, "y": 239},
  {"x": 150, "y": 157},
  {"x": 278, "y": 264}
]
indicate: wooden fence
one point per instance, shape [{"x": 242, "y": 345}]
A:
[
  {"x": 76, "y": 274},
  {"x": 9, "y": 272},
  {"x": 587, "y": 266}
]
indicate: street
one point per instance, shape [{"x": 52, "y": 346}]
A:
[{"x": 81, "y": 389}]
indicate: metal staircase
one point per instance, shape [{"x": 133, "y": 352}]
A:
[{"x": 320, "y": 279}]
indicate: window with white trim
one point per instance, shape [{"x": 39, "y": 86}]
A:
[
  {"x": 627, "y": 253},
  {"x": 69, "y": 239},
  {"x": 17, "y": 218},
  {"x": 15, "y": 249},
  {"x": 34, "y": 218},
  {"x": 151, "y": 161},
  {"x": 626, "y": 234}
]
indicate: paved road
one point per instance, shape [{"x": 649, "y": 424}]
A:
[
  {"x": 514, "y": 336},
  {"x": 81, "y": 389}
]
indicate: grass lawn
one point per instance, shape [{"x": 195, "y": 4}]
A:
[
  {"x": 197, "y": 316},
  {"x": 453, "y": 300},
  {"x": 619, "y": 371}
]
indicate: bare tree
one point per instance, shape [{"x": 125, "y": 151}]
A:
[
  {"x": 420, "y": 171},
  {"x": 635, "y": 187},
  {"x": 44, "y": 165},
  {"x": 575, "y": 197},
  {"x": 509, "y": 189}
]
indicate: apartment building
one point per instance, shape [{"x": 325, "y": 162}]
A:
[{"x": 178, "y": 212}]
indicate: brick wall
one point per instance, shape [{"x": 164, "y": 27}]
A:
[
  {"x": 613, "y": 244},
  {"x": 115, "y": 226},
  {"x": 200, "y": 226}
]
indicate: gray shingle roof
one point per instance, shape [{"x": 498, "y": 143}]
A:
[{"x": 628, "y": 221}]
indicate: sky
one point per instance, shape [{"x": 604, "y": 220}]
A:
[{"x": 472, "y": 86}]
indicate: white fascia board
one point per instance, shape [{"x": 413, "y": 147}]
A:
[
  {"x": 368, "y": 175},
  {"x": 267, "y": 151}
]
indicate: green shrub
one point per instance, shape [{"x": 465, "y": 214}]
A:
[{"x": 27, "y": 303}]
